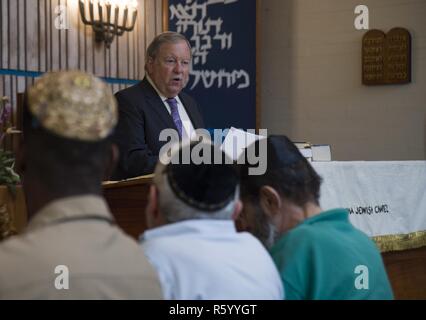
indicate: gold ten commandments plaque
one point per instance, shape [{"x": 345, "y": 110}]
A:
[{"x": 386, "y": 59}]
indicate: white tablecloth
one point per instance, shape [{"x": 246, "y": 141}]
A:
[{"x": 383, "y": 197}]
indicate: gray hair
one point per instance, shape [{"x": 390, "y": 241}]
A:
[
  {"x": 175, "y": 210},
  {"x": 263, "y": 229},
  {"x": 165, "y": 37}
]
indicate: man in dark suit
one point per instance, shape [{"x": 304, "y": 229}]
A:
[{"x": 155, "y": 104}]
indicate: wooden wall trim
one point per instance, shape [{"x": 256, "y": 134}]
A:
[
  {"x": 165, "y": 15},
  {"x": 31, "y": 45}
]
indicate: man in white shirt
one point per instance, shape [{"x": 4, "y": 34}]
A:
[{"x": 192, "y": 240}]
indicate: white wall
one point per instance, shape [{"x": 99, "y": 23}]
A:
[{"x": 311, "y": 79}]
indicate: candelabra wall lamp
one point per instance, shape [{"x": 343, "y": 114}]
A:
[{"x": 108, "y": 18}]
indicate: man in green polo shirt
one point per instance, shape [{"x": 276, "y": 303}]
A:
[{"x": 319, "y": 254}]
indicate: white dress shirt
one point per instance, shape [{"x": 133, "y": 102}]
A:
[
  {"x": 187, "y": 127},
  {"x": 208, "y": 259}
]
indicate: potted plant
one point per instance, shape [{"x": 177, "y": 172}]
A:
[{"x": 8, "y": 177}]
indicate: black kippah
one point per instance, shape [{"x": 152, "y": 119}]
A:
[
  {"x": 205, "y": 186},
  {"x": 282, "y": 152}
]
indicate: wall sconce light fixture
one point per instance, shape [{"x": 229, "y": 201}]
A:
[{"x": 104, "y": 17}]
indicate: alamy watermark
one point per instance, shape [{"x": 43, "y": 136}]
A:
[
  {"x": 361, "y": 281},
  {"x": 362, "y": 20},
  {"x": 236, "y": 147},
  {"x": 62, "y": 281},
  {"x": 62, "y": 18}
]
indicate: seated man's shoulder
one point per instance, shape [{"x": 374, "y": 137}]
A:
[
  {"x": 46, "y": 248},
  {"x": 10, "y": 248},
  {"x": 247, "y": 238},
  {"x": 166, "y": 246},
  {"x": 305, "y": 233},
  {"x": 301, "y": 240},
  {"x": 21, "y": 258},
  {"x": 22, "y": 246}
]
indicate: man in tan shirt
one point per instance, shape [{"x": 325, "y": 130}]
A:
[{"x": 72, "y": 248}]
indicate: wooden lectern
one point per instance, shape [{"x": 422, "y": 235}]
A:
[{"x": 127, "y": 200}]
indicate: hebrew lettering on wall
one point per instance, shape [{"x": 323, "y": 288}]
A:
[
  {"x": 222, "y": 34},
  {"x": 204, "y": 33},
  {"x": 386, "y": 58}
]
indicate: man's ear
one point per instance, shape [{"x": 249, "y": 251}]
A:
[
  {"x": 112, "y": 162},
  {"x": 270, "y": 201},
  {"x": 237, "y": 210},
  {"x": 148, "y": 65}
]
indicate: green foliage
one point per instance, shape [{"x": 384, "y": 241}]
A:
[{"x": 8, "y": 176}]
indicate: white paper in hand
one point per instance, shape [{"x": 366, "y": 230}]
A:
[{"x": 236, "y": 141}]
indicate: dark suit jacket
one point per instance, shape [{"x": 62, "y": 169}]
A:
[{"x": 142, "y": 116}]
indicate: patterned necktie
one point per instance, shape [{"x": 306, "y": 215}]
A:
[{"x": 172, "y": 102}]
